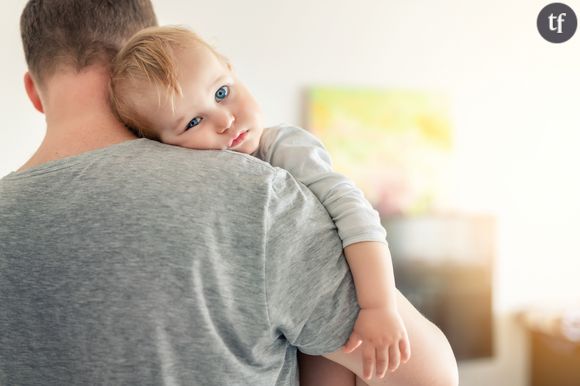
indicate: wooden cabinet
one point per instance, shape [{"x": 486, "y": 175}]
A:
[{"x": 554, "y": 361}]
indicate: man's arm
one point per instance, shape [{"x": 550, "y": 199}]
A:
[
  {"x": 310, "y": 292},
  {"x": 432, "y": 362}
]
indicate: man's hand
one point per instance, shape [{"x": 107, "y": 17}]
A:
[{"x": 384, "y": 340}]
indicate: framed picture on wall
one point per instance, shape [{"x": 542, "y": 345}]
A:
[{"x": 395, "y": 144}]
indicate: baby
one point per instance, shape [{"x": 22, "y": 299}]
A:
[{"x": 171, "y": 86}]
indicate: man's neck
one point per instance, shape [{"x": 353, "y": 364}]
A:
[{"x": 78, "y": 117}]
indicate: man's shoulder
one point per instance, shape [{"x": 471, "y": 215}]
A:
[
  {"x": 158, "y": 170},
  {"x": 194, "y": 157},
  {"x": 180, "y": 162}
]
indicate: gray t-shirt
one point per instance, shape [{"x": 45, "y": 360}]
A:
[{"x": 148, "y": 264}]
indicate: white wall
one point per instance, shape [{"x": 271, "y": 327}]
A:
[{"x": 516, "y": 129}]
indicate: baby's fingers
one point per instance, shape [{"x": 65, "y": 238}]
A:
[
  {"x": 382, "y": 362},
  {"x": 353, "y": 342},
  {"x": 368, "y": 361},
  {"x": 394, "y": 357},
  {"x": 405, "y": 348}
]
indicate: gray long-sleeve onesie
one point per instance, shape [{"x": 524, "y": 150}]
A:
[{"x": 304, "y": 156}]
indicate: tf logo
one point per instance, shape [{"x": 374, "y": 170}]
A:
[{"x": 557, "y": 22}]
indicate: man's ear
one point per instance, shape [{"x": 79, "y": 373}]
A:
[{"x": 32, "y": 92}]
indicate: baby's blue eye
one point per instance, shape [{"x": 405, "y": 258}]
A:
[
  {"x": 221, "y": 93},
  {"x": 194, "y": 122}
]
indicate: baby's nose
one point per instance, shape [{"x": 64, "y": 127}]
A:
[{"x": 226, "y": 122}]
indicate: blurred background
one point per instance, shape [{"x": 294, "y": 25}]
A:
[{"x": 473, "y": 135}]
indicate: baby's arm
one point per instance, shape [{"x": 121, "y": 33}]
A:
[
  {"x": 304, "y": 156},
  {"x": 379, "y": 327}
]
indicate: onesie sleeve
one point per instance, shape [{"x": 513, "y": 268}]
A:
[
  {"x": 310, "y": 294},
  {"x": 305, "y": 157}
]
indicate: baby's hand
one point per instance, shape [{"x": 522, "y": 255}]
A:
[{"x": 384, "y": 340}]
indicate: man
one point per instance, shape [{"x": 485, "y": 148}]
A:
[{"x": 126, "y": 261}]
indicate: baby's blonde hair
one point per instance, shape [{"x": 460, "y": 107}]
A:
[{"x": 149, "y": 58}]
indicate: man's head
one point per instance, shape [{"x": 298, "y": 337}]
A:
[
  {"x": 70, "y": 35},
  {"x": 170, "y": 85}
]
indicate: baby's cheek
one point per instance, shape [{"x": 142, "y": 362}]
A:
[
  {"x": 251, "y": 105},
  {"x": 256, "y": 113}
]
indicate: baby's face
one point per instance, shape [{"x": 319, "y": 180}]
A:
[{"x": 216, "y": 111}]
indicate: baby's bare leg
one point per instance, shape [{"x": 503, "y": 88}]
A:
[
  {"x": 360, "y": 382},
  {"x": 432, "y": 361},
  {"x": 319, "y": 371}
]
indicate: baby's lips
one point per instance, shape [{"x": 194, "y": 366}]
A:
[{"x": 237, "y": 136}]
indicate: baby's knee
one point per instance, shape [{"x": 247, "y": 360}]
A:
[{"x": 448, "y": 374}]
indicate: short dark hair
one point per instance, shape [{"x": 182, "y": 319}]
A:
[{"x": 75, "y": 34}]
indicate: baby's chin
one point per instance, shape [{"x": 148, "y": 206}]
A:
[{"x": 247, "y": 148}]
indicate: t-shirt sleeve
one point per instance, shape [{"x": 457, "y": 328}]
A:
[
  {"x": 310, "y": 294},
  {"x": 306, "y": 158}
]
